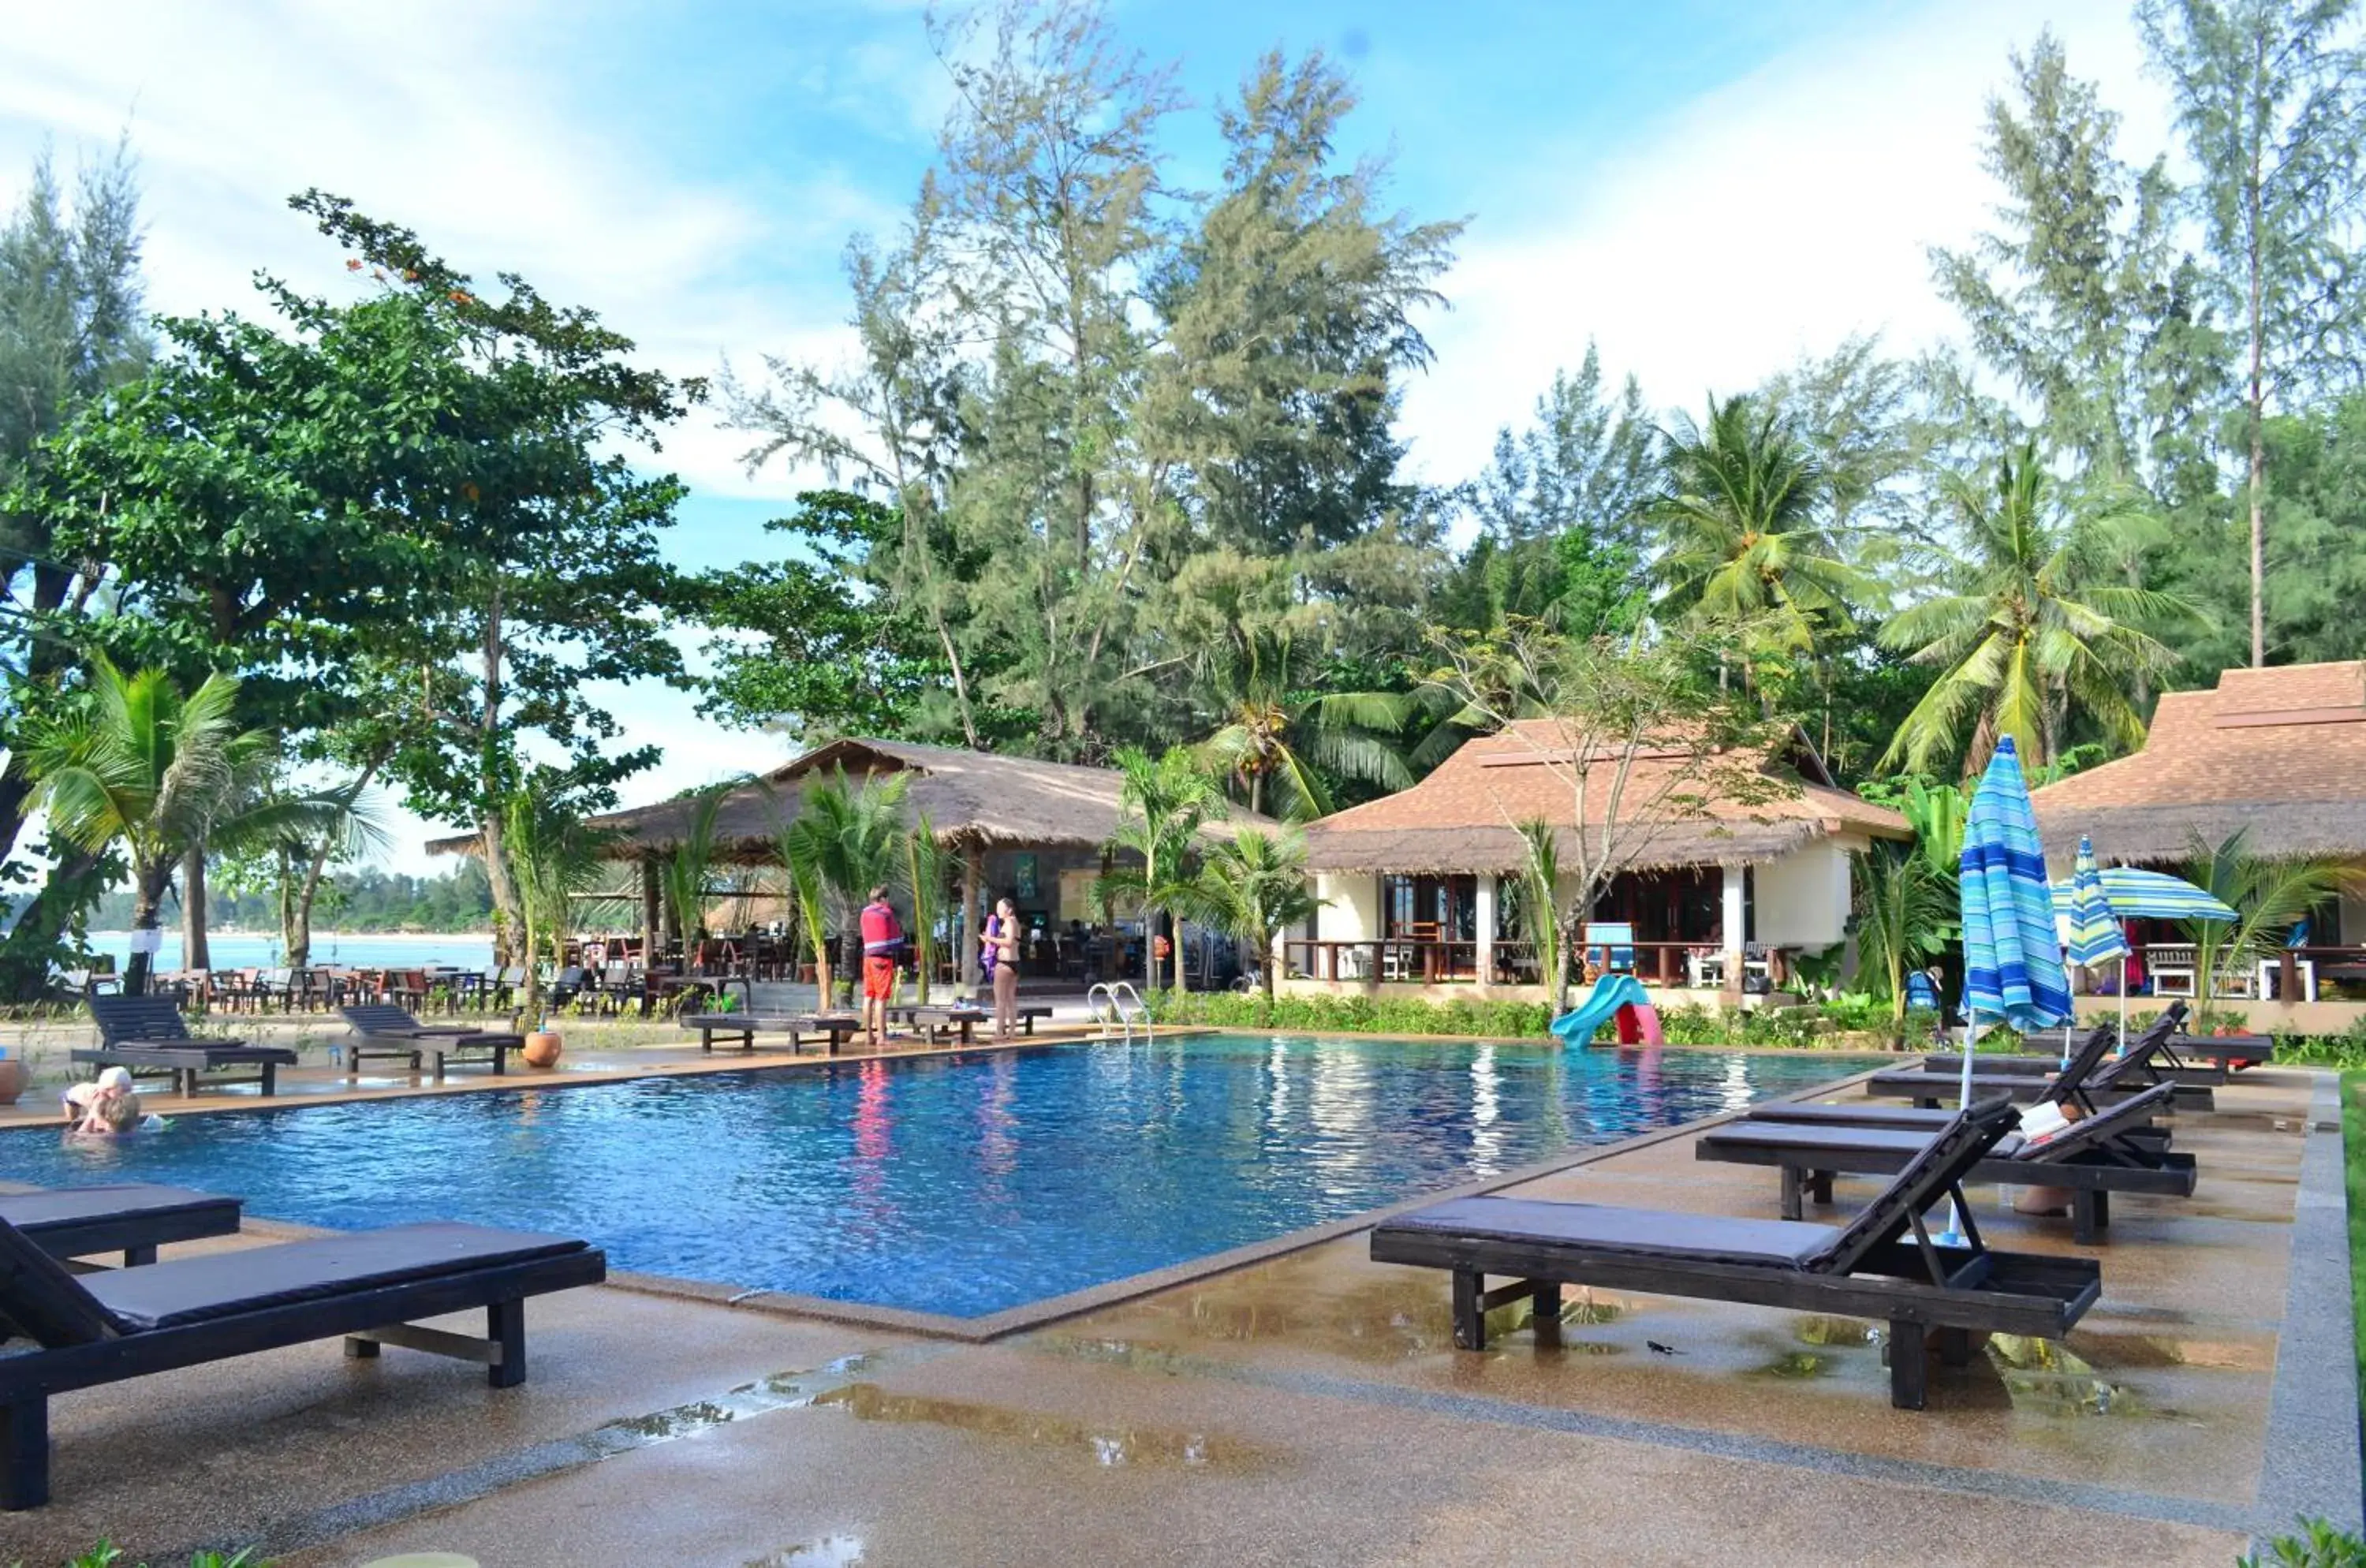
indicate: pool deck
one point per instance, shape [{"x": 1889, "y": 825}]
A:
[{"x": 1310, "y": 1409}]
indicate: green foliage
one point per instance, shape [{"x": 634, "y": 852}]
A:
[
  {"x": 1354, "y": 1014},
  {"x": 106, "y": 1555},
  {"x": 1902, "y": 913},
  {"x": 847, "y": 838},
  {"x": 1164, "y": 799},
  {"x": 553, "y": 856},
  {"x": 1252, "y": 886},
  {"x": 2269, "y": 898},
  {"x": 2316, "y": 1545}
]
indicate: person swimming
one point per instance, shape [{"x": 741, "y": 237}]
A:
[{"x": 80, "y": 1099}]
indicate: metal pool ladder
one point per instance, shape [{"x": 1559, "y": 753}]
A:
[{"x": 1125, "y": 1005}]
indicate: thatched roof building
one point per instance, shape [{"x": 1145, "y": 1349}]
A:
[
  {"x": 974, "y": 800},
  {"x": 1459, "y": 818},
  {"x": 2279, "y": 753}
]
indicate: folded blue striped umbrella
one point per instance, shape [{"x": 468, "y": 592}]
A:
[
  {"x": 2013, "y": 960},
  {"x": 2094, "y": 925}
]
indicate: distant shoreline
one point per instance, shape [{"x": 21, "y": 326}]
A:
[{"x": 174, "y": 929}]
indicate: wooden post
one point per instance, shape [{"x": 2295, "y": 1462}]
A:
[
  {"x": 972, "y": 879},
  {"x": 1733, "y": 913},
  {"x": 652, "y": 913}
]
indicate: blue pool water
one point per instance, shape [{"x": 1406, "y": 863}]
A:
[{"x": 961, "y": 1185}]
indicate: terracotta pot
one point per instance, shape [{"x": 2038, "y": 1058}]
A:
[
  {"x": 12, "y": 1079},
  {"x": 542, "y": 1048}
]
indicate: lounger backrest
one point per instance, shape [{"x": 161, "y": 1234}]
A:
[
  {"x": 2139, "y": 1056},
  {"x": 2128, "y": 1114},
  {"x": 2082, "y": 1065},
  {"x": 40, "y": 1297},
  {"x": 137, "y": 1018},
  {"x": 1959, "y": 1145},
  {"x": 371, "y": 1016}
]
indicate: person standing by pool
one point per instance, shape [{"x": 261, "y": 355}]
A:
[
  {"x": 1000, "y": 960},
  {"x": 882, "y": 942}
]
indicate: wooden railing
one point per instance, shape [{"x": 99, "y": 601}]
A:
[{"x": 1428, "y": 961}]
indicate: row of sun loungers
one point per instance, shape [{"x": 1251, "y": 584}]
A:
[
  {"x": 940, "y": 1023},
  {"x": 371, "y": 1288},
  {"x": 1890, "y": 1263}
]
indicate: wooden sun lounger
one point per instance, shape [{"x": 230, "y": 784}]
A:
[
  {"x": 147, "y": 1036},
  {"x": 2092, "y": 1158},
  {"x": 1885, "y": 1265},
  {"x": 382, "y": 1029},
  {"x": 369, "y": 1288},
  {"x": 2094, "y": 1078},
  {"x": 835, "y": 1028},
  {"x": 960, "y": 1022},
  {"x": 132, "y": 1218},
  {"x": 1872, "y": 1114}
]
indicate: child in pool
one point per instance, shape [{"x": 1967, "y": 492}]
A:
[
  {"x": 81, "y": 1100},
  {"x": 111, "y": 1116}
]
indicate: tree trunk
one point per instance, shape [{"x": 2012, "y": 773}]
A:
[
  {"x": 146, "y": 898},
  {"x": 1175, "y": 948},
  {"x": 195, "y": 953},
  {"x": 2255, "y": 406},
  {"x": 509, "y": 910},
  {"x": 1266, "y": 969},
  {"x": 850, "y": 943},
  {"x": 71, "y": 888},
  {"x": 510, "y": 942}
]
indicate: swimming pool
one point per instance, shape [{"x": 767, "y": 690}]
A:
[{"x": 959, "y": 1185}]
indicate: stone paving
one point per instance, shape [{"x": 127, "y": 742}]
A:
[{"x": 1306, "y": 1410}]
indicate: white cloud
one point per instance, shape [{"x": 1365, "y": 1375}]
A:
[{"x": 1774, "y": 217}]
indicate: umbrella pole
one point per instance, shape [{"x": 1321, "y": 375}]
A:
[
  {"x": 1954, "y": 1234},
  {"x": 2123, "y": 1007}
]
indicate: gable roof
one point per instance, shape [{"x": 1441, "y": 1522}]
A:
[
  {"x": 980, "y": 798},
  {"x": 2281, "y": 752},
  {"x": 1461, "y": 817}
]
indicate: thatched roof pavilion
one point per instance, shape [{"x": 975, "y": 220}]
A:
[
  {"x": 2279, "y": 753},
  {"x": 1459, "y": 818}
]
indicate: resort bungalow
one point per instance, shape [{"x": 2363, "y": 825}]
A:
[
  {"x": 1718, "y": 888},
  {"x": 1018, "y": 828},
  {"x": 2279, "y": 754}
]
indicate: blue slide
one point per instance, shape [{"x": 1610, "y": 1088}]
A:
[{"x": 1611, "y": 992}]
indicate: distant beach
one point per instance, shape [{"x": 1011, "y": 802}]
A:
[{"x": 259, "y": 950}]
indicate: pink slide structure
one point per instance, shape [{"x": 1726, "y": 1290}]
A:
[{"x": 1615, "y": 997}]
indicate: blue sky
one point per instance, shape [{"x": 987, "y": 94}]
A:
[{"x": 1709, "y": 190}]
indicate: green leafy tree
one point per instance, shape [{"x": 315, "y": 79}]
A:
[
  {"x": 686, "y": 873},
  {"x": 2268, "y": 94},
  {"x": 1743, "y": 541},
  {"x": 1902, "y": 915},
  {"x": 1277, "y": 738},
  {"x": 140, "y": 768},
  {"x": 847, "y": 840},
  {"x": 1165, "y": 800},
  {"x": 554, "y": 857},
  {"x": 1252, "y": 888},
  {"x": 926, "y": 870},
  {"x": 2269, "y": 898},
  {"x": 2038, "y": 636},
  {"x": 1539, "y": 888}
]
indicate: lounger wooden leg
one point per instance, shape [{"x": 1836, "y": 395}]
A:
[
  {"x": 1909, "y": 1370},
  {"x": 505, "y": 1326},
  {"x": 136, "y": 1256},
  {"x": 1955, "y": 1347},
  {"x": 1792, "y": 1182},
  {"x": 1470, "y": 1317},
  {"x": 25, "y": 1452},
  {"x": 270, "y": 1079},
  {"x": 361, "y": 1349},
  {"x": 1819, "y": 1186},
  {"x": 1544, "y": 1309},
  {"x": 2084, "y": 1220}
]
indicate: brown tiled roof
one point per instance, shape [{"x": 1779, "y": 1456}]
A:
[
  {"x": 1461, "y": 817},
  {"x": 979, "y": 798},
  {"x": 2281, "y": 752}
]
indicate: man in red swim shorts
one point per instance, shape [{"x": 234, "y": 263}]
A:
[{"x": 882, "y": 942}]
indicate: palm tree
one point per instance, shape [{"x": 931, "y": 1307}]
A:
[
  {"x": 2269, "y": 898},
  {"x": 1902, "y": 910},
  {"x": 554, "y": 857},
  {"x": 139, "y": 766},
  {"x": 1165, "y": 800},
  {"x": 2038, "y": 635},
  {"x": 802, "y": 884},
  {"x": 1254, "y": 889},
  {"x": 686, "y": 872},
  {"x": 925, "y": 863},
  {"x": 1743, "y": 545},
  {"x": 848, "y": 840},
  {"x": 1276, "y": 737}
]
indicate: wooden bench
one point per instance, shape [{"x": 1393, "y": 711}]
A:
[
  {"x": 147, "y": 1037},
  {"x": 835, "y": 1028},
  {"x": 382, "y": 1029},
  {"x": 936, "y": 1022}
]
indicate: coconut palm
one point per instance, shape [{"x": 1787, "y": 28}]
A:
[
  {"x": 2269, "y": 898},
  {"x": 1164, "y": 800},
  {"x": 2038, "y": 636},
  {"x": 554, "y": 857},
  {"x": 685, "y": 874},
  {"x": 925, "y": 864},
  {"x": 1902, "y": 914},
  {"x": 1743, "y": 545},
  {"x": 1252, "y": 889},
  {"x": 138, "y": 766},
  {"x": 847, "y": 840},
  {"x": 1276, "y": 739}
]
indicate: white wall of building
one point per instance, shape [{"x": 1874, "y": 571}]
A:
[
  {"x": 1351, "y": 906},
  {"x": 1801, "y": 899}
]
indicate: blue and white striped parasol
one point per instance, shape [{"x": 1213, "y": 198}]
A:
[
  {"x": 2147, "y": 895},
  {"x": 2095, "y": 937}
]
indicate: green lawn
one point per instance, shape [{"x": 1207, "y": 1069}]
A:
[{"x": 2353, "y": 1147}]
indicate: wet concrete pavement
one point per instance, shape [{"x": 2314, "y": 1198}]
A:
[{"x": 1307, "y": 1410}]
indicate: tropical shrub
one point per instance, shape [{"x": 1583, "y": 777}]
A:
[{"x": 2317, "y": 1545}]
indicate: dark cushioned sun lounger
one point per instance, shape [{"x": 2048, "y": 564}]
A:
[
  {"x": 834, "y": 1027},
  {"x": 371, "y": 1288},
  {"x": 382, "y": 1029},
  {"x": 2094, "y": 1078},
  {"x": 132, "y": 1218},
  {"x": 2093, "y": 1158},
  {"x": 146, "y": 1036},
  {"x": 1885, "y": 1265}
]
